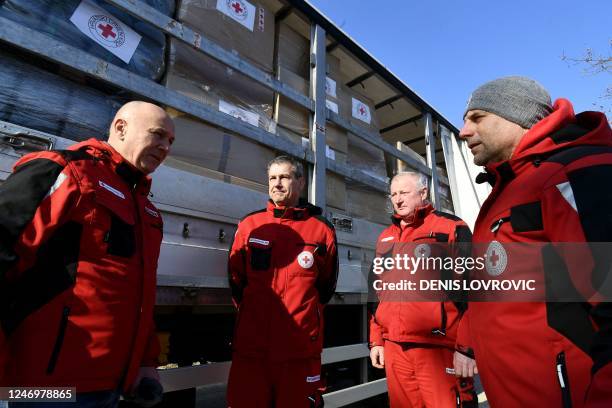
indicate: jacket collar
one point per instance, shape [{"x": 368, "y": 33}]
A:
[
  {"x": 416, "y": 218},
  {"x": 300, "y": 212},
  {"x": 559, "y": 130},
  {"x": 102, "y": 151}
]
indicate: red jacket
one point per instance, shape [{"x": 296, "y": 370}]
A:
[
  {"x": 283, "y": 266},
  {"x": 78, "y": 259},
  {"x": 418, "y": 322},
  {"x": 554, "y": 188}
]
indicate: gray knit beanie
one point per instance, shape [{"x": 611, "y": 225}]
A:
[{"x": 518, "y": 99}]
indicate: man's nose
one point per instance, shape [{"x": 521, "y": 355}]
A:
[{"x": 465, "y": 132}]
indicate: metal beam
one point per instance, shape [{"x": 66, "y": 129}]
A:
[
  {"x": 360, "y": 79},
  {"x": 196, "y": 40},
  {"x": 388, "y": 101},
  {"x": 317, "y": 128},
  {"x": 357, "y": 175},
  {"x": 354, "y": 394},
  {"x": 415, "y": 140},
  {"x": 182, "y": 378},
  {"x": 402, "y": 123},
  {"x": 431, "y": 161},
  {"x": 282, "y": 14},
  {"x": 332, "y": 46},
  {"x": 344, "y": 353},
  {"x": 375, "y": 140}
]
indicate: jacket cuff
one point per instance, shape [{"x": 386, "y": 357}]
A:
[{"x": 466, "y": 351}]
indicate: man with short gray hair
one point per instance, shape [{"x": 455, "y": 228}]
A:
[
  {"x": 549, "y": 169},
  {"x": 283, "y": 268},
  {"x": 414, "y": 341}
]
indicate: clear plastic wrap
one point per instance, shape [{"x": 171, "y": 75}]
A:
[
  {"x": 243, "y": 26},
  {"x": 363, "y": 202},
  {"x": 225, "y": 155},
  {"x": 210, "y": 82},
  {"x": 34, "y": 98},
  {"x": 53, "y": 19}
]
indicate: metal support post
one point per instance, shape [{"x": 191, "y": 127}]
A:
[
  {"x": 430, "y": 140},
  {"x": 317, "y": 128}
]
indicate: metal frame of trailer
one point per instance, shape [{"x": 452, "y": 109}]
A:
[{"x": 171, "y": 288}]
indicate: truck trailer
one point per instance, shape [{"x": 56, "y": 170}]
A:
[{"x": 244, "y": 82}]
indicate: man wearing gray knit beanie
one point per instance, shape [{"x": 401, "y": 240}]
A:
[
  {"x": 551, "y": 172},
  {"x": 518, "y": 102}
]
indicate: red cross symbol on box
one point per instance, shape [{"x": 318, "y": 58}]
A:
[
  {"x": 237, "y": 8},
  {"x": 107, "y": 30},
  {"x": 362, "y": 110}
]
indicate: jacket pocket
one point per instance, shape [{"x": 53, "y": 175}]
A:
[
  {"x": 120, "y": 238},
  {"x": 115, "y": 216},
  {"x": 260, "y": 258},
  {"x": 59, "y": 341},
  {"x": 563, "y": 380}
]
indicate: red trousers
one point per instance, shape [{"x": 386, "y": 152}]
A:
[
  {"x": 259, "y": 383},
  {"x": 419, "y": 377}
]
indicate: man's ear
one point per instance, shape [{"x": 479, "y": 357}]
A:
[
  {"x": 120, "y": 127},
  {"x": 424, "y": 193}
]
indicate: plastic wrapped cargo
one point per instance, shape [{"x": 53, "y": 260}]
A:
[
  {"x": 53, "y": 19},
  {"x": 363, "y": 202},
  {"x": 210, "y": 82},
  {"x": 245, "y": 27},
  {"x": 205, "y": 149},
  {"x": 37, "y": 99}
]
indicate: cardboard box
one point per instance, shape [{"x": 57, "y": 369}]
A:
[
  {"x": 212, "y": 148},
  {"x": 293, "y": 51},
  {"x": 244, "y": 27},
  {"x": 294, "y": 118},
  {"x": 210, "y": 82},
  {"x": 372, "y": 205},
  {"x": 358, "y": 110},
  {"x": 366, "y": 157},
  {"x": 335, "y": 190}
]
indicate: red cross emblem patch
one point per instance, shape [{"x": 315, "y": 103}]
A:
[
  {"x": 305, "y": 259},
  {"x": 496, "y": 259}
]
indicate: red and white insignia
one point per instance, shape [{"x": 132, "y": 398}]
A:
[
  {"x": 106, "y": 30},
  {"x": 422, "y": 251},
  {"x": 238, "y": 8},
  {"x": 305, "y": 259},
  {"x": 496, "y": 259}
]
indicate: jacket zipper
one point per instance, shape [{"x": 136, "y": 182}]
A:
[
  {"x": 563, "y": 380},
  {"x": 318, "y": 323},
  {"x": 59, "y": 340},
  {"x": 442, "y": 330},
  {"x": 497, "y": 224}
]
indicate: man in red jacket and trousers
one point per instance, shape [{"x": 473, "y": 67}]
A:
[
  {"x": 79, "y": 242},
  {"x": 551, "y": 171},
  {"x": 414, "y": 341},
  {"x": 283, "y": 268}
]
